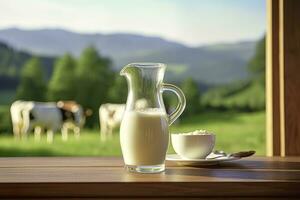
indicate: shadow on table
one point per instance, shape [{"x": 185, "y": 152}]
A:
[{"x": 249, "y": 170}]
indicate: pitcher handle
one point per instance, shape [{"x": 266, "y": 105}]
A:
[{"x": 181, "y": 101}]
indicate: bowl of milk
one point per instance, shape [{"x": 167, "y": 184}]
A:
[{"x": 193, "y": 145}]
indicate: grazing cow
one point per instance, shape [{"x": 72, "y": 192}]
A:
[
  {"x": 110, "y": 118},
  {"x": 73, "y": 118},
  {"x": 28, "y": 115}
]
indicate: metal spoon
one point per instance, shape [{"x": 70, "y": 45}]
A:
[{"x": 240, "y": 154}]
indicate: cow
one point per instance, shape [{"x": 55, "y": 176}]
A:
[
  {"x": 110, "y": 116},
  {"x": 73, "y": 117},
  {"x": 28, "y": 115}
]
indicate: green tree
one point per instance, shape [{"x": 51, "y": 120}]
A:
[
  {"x": 192, "y": 95},
  {"x": 257, "y": 64},
  {"x": 32, "y": 82},
  {"x": 118, "y": 91},
  {"x": 94, "y": 76},
  {"x": 63, "y": 80}
]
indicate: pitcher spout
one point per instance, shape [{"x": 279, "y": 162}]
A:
[{"x": 125, "y": 69}]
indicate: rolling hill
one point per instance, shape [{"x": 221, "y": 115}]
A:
[{"x": 213, "y": 64}]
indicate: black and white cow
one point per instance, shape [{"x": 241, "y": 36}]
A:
[{"x": 50, "y": 116}]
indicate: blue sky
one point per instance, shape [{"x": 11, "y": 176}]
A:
[{"x": 192, "y": 22}]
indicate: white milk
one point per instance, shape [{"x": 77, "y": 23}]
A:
[{"x": 144, "y": 137}]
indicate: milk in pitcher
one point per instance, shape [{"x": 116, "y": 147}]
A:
[{"x": 144, "y": 137}]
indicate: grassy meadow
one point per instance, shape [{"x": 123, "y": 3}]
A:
[{"x": 235, "y": 132}]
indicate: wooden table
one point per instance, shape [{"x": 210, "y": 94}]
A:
[{"x": 93, "y": 177}]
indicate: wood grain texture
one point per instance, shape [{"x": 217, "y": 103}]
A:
[
  {"x": 290, "y": 51},
  {"x": 105, "y": 177},
  {"x": 272, "y": 79}
]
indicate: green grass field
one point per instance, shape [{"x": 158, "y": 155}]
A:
[{"x": 235, "y": 132}]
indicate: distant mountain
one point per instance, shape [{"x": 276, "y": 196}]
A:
[
  {"x": 58, "y": 41},
  {"x": 215, "y": 64},
  {"x": 206, "y": 64}
]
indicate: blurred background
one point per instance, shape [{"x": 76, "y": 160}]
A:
[{"x": 53, "y": 50}]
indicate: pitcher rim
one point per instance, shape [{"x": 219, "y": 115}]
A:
[{"x": 147, "y": 64}]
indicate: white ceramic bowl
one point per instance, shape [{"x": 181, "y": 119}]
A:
[{"x": 193, "y": 146}]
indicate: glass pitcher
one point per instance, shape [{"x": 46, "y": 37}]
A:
[{"x": 144, "y": 131}]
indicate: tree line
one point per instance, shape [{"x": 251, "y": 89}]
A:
[
  {"x": 91, "y": 81},
  {"x": 245, "y": 95}
]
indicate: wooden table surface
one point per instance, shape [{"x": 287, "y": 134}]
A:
[{"x": 93, "y": 177}]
